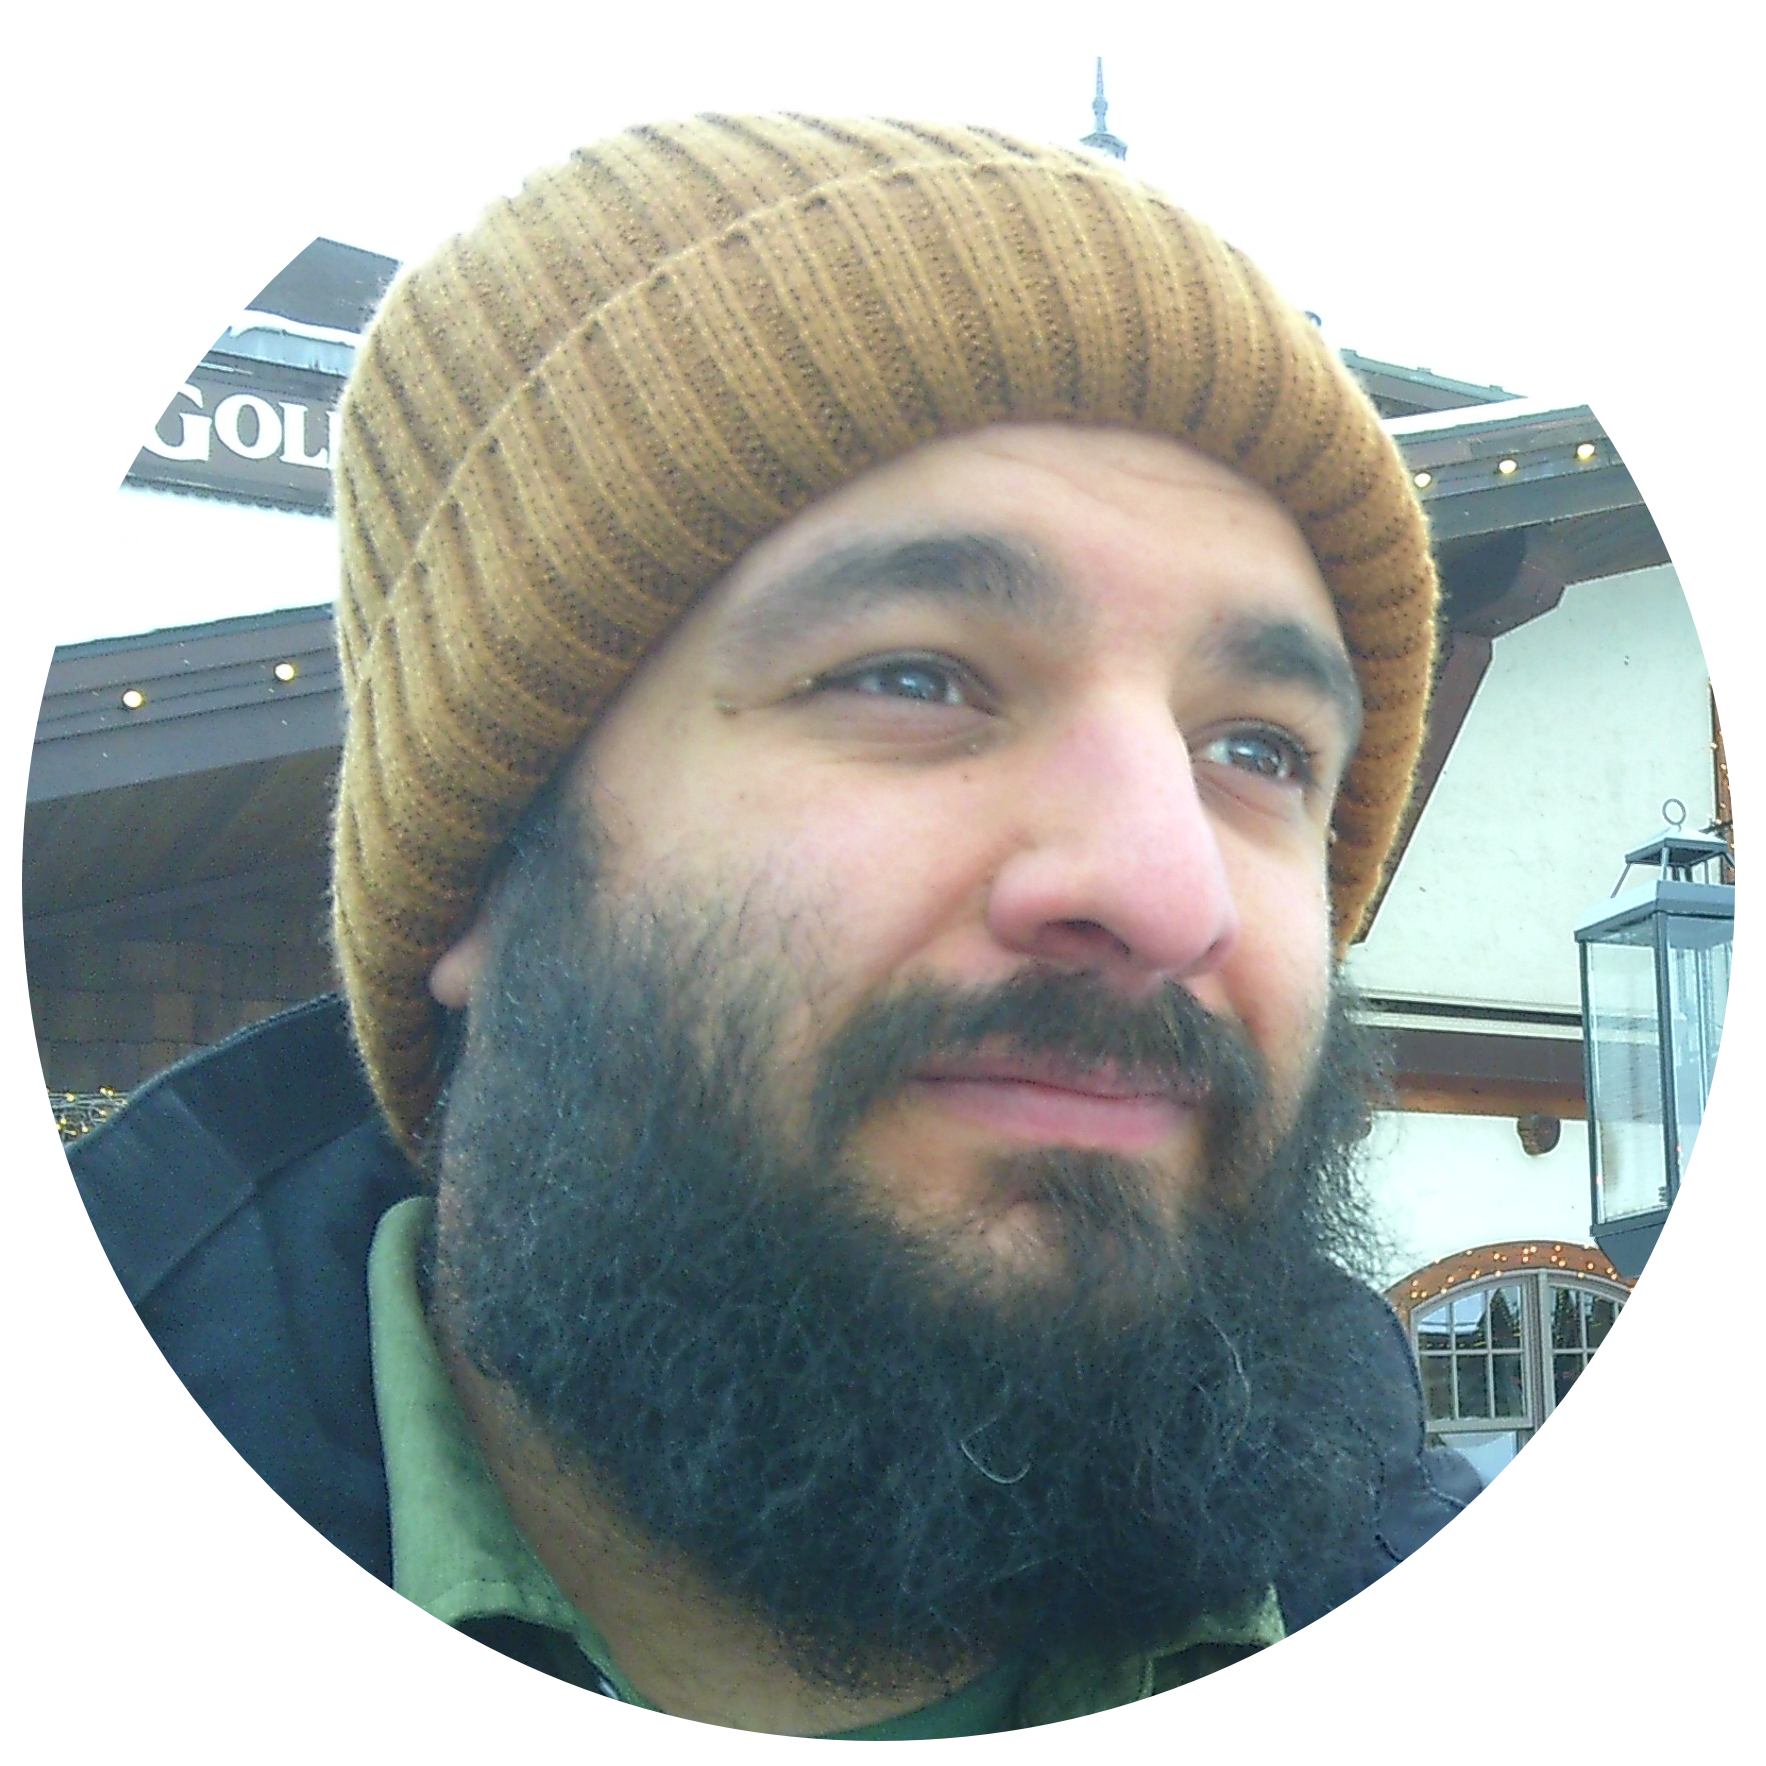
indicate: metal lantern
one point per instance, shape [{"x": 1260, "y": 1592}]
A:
[{"x": 1655, "y": 980}]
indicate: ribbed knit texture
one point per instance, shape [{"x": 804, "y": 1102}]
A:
[{"x": 573, "y": 419}]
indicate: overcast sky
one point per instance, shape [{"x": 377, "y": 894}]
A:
[
  {"x": 1378, "y": 278},
  {"x": 1381, "y": 281}
]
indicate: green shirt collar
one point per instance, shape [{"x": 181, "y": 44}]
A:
[{"x": 458, "y": 1554}]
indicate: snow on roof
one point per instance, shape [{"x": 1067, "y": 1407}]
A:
[
  {"x": 249, "y": 321},
  {"x": 1508, "y": 414},
  {"x": 157, "y": 558}
]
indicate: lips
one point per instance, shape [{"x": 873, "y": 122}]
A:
[
  {"x": 1047, "y": 1101},
  {"x": 1104, "y": 1081}
]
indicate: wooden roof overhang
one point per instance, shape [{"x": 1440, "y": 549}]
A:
[{"x": 217, "y": 776}]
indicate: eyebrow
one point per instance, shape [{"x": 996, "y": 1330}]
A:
[
  {"x": 1006, "y": 575},
  {"x": 973, "y": 569},
  {"x": 1284, "y": 650}
]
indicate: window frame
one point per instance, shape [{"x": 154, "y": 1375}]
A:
[{"x": 1537, "y": 1268}]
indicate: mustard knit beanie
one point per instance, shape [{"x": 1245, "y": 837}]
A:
[{"x": 574, "y": 418}]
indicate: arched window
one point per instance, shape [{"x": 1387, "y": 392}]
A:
[{"x": 1500, "y": 1335}]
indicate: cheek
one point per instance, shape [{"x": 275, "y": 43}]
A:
[
  {"x": 876, "y": 885},
  {"x": 1280, "y": 977},
  {"x": 847, "y": 882}
]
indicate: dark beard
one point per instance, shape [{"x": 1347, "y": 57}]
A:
[{"x": 902, "y": 1467}]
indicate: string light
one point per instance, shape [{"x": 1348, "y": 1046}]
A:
[
  {"x": 1507, "y": 466},
  {"x": 285, "y": 671},
  {"x": 77, "y": 1113},
  {"x": 134, "y": 699},
  {"x": 1456, "y": 1271}
]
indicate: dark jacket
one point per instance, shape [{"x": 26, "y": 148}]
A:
[{"x": 237, "y": 1195}]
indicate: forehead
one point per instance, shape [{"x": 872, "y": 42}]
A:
[
  {"x": 1094, "y": 512},
  {"x": 1061, "y": 564}
]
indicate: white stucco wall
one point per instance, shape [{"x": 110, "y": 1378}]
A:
[
  {"x": 1446, "y": 1183},
  {"x": 1587, "y": 719}
]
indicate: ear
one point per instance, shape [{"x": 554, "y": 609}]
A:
[{"x": 456, "y": 973}]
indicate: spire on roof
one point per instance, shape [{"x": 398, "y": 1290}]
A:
[{"x": 1100, "y": 140}]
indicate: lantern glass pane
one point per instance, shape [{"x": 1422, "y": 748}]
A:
[
  {"x": 1698, "y": 991},
  {"x": 1625, "y": 1109}
]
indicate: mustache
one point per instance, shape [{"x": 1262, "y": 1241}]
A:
[{"x": 1167, "y": 1038}]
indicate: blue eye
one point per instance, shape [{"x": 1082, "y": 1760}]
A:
[
  {"x": 1269, "y": 754},
  {"x": 923, "y": 680}
]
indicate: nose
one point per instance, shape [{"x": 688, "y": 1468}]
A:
[{"x": 1118, "y": 867}]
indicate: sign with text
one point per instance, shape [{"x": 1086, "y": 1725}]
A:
[{"x": 253, "y": 431}]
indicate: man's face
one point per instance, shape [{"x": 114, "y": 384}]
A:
[
  {"x": 885, "y": 1155},
  {"x": 1039, "y": 698}
]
